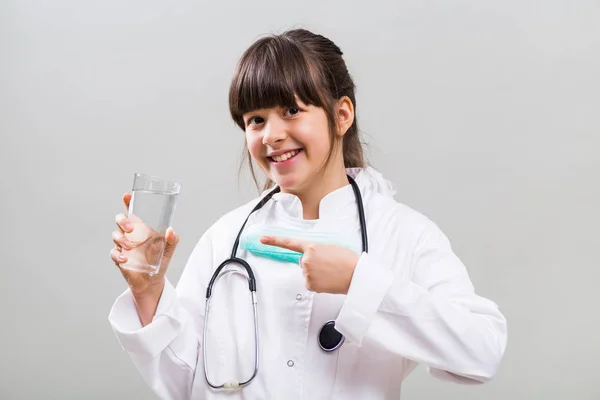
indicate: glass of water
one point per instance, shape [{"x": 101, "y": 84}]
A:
[{"x": 151, "y": 211}]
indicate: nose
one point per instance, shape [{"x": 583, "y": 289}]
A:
[{"x": 273, "y": 132}]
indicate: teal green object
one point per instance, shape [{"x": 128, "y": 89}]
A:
[
  {"x": 250, "y": 241},
  {"x": 254, "y": 246}
]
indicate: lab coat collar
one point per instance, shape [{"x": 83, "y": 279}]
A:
[{"x": 369, "y": 182}]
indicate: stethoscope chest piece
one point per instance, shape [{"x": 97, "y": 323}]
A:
[{"x": 329, "y": 338}]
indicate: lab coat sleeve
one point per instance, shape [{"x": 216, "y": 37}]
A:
[
  {"x": 431, "y": 316},
  {"x": 165, "y": 352}
]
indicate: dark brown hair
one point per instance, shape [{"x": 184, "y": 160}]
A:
[{"x": 300, "y": 63}]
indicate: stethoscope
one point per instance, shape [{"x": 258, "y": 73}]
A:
[{"x": 329, "y": 338}]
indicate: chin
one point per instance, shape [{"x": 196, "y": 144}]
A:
[{"x": 288, "y": 183}]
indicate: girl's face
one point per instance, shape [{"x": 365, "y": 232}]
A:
[{"x": 289, "y": 144}]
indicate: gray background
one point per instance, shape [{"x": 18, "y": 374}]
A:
[{"x": 484, "y": 114}]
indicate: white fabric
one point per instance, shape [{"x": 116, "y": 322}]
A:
[{"x": 410, "y": 301}]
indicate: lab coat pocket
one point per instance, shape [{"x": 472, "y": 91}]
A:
[
  {"x": 360, "y": 364},
  {"x": 347, "y": 355}
]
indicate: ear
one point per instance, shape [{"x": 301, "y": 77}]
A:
[{"x": 345, "y": 115}]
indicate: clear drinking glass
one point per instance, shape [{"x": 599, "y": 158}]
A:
[{"x": 150, "y": 212}]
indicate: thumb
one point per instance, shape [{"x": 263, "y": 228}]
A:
[{"x": 127, "y": 199}]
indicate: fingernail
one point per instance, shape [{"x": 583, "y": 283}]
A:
[
  {"x": 128, "y": 226},
  {"x": 121, "y": 258},
  {"x": 126, "y": 245}
]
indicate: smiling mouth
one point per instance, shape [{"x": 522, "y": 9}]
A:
[{"x": 285, "y": 156}]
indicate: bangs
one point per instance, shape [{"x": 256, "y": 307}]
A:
[{"x": 272, "y": 73}]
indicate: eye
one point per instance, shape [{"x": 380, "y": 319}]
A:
[
  {"x": 254, "y": 121},
  {"x": 292, "y": 111}
]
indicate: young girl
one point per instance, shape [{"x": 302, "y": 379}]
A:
[{"x": 374, "y": 290}]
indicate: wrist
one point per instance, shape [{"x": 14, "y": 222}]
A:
[
  {"x": 146, "y": 301},
  {"x": 150, "y": 289}
]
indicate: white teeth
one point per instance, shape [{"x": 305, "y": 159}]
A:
[{"x": 285, "y": 156}]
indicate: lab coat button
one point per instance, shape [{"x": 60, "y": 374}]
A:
[
  {"x": 298, "y": 297},
  {"x": 290, "y": 363}
]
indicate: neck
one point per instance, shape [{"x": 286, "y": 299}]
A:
[{"x": 329, "y": 181}]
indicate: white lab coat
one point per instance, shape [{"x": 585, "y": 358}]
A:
[{"x": 410, "y": 302}]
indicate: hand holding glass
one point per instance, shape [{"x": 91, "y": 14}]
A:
[{"x": 150, "y": 212}]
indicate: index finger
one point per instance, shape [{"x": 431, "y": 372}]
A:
[{"x": 286, "y": 243}]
